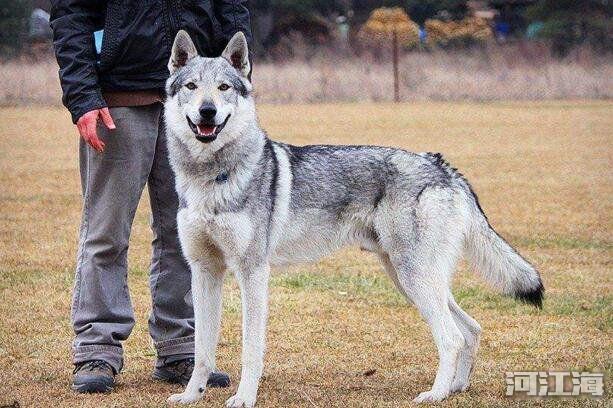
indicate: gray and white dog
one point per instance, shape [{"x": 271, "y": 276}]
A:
[{"x": 248, "y": 203}]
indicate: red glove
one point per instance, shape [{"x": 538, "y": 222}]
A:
[{"x": 87, "y": 127}]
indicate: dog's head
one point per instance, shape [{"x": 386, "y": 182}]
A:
[{"x": 208, "y": 99}]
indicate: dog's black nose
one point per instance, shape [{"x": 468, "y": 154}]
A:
[{"x": 208, "y": 111}]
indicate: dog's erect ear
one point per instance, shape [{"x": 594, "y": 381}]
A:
[
  {"x": 237, "y": 53},
  {"x": 183, "y": 50}
]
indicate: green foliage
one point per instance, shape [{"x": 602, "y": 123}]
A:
[
  {"x": 567, "y": 23},
  {"x": 422, "y": 10},
  {"x": 306, "y": 7},
  {"x": 282, "y": 18},
  {"x": 13, "y": 24}
]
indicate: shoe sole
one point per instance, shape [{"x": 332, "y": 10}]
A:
[
  {"x": 92, "y": 387},
  {"x": 169, "y": 378}
]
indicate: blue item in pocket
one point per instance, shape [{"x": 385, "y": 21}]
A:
[{"x": 98, "y": 43}]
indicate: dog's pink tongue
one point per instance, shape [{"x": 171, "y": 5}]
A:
[{"x": 206, "y": 130}]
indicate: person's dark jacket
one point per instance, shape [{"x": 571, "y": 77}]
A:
[{"x": 138, "y": 36}]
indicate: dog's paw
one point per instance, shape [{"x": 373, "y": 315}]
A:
[
  {"x": 184, "y": 398},
  {"x": 238, "y": 401},
  {"x": 430, "y": 396}
]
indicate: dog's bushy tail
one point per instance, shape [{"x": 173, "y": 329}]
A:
[
  {"x": 492, "y": 257},
  {"x": 497, "y": 261}
]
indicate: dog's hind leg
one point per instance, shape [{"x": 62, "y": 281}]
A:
[
  {"x": 427, "y": 289},
  {"x": 391, "y": 272},
  {"x": 207, "y": 286},
  {"x": 471, "y": 330},
  {"x": 254, "y": 293},
  {"x": 423, "y": 237}
]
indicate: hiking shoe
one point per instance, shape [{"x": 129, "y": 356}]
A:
[
  {"x": 179, "y": 372},
  {"x": 93, "y": 377}
]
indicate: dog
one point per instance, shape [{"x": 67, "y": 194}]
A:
[{"x": 247, "y": 202}]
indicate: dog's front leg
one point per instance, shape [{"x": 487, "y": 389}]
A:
[
  {"x": 254, "y": 291},
  {"x": 207, "y": 285}
]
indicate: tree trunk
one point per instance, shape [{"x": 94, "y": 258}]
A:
[{"x": 395, "y": 64}]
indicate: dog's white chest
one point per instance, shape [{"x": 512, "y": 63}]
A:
[{"x": 230, "y": 233}]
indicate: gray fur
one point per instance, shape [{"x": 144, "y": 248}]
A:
[{"x": 277, "y": 204}]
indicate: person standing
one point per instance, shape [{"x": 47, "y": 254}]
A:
[{"x": 114, "y": 95}]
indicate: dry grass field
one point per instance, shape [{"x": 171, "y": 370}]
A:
[{"x": 543, "y": 171}]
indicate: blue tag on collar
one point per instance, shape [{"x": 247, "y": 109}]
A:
[{"x": 221, "y": 178}]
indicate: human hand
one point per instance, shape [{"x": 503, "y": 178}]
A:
[{"x": 87, "y": 127}]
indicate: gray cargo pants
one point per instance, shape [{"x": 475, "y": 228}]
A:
[{"x": 112, "y": 183}]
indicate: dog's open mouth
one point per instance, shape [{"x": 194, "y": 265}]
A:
[{"x": 206, "y": 132}]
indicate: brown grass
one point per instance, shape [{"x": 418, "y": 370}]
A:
[
  {"x": 543, "y": 173},
  {"x": 494, "y": 74}
]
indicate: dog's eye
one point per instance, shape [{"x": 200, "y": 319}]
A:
[
  {"x": 191, "y": 86},
  {"x": 223, "y": 87}
]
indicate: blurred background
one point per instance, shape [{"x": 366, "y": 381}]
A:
[{"x": 345, "y": 50}]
